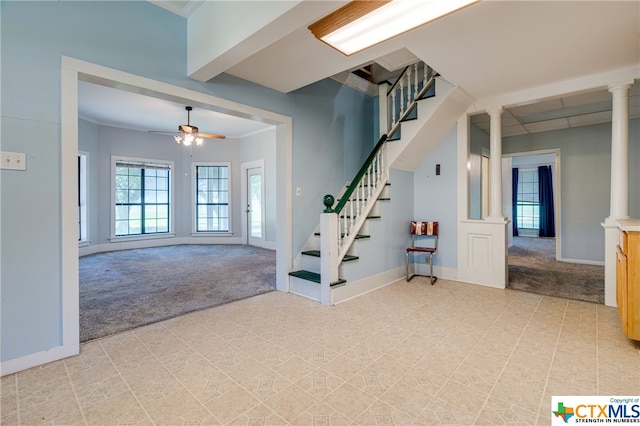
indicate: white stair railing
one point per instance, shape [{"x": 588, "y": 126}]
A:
[
  {"x": 409, "y": 87},
  {"x": 340, "y": 224}
]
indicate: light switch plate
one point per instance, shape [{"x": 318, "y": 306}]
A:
[{"x": 13, "y": 160}]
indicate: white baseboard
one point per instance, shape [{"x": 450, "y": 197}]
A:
[
  {"x": 582, "y": 262},
  {"x": 39, "y": 358},
  {"x": 125, "y": 245},
  {"x": 357, "y": 288}
]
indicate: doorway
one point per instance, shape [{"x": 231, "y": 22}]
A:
[
  {"x": 253, "y": 196},
  {"x": 72, "y": 71}
]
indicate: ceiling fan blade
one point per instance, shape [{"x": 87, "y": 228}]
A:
[
  {"x": 162, "y": 132},
  {"x": 211, "y": 135}
]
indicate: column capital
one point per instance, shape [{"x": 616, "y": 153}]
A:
[
  {"x": 620, "y": 86},
  {"x": 494, "y": 111}
]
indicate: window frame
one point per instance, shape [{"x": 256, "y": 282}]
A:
[
  {"x": 194, "y": 198},
  {"x": 83, "y": 199},
  {"x": 157, "y": 163},
  {"x": 535, "y": 205}
]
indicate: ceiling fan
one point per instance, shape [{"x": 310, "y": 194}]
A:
[{"x": 188, "y": 134}]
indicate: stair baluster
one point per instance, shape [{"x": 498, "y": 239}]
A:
[{"x": 341, "y": 224}]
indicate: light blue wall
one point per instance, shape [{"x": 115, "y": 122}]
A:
[
  {"x": 143, "y": 39},
  {"x": 435, "y": 197},
  {"x": 103, "y": 142}
]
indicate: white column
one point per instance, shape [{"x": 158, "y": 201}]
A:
[
  {"x": 619, "y": 201},
  {"x": 619, "y": 152},
  {"x": 495, "y": 166}
]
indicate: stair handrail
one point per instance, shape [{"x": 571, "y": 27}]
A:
[
  {"x": 401, "y": 96},
  {"x": 351, "y": 187},
  {"x": 360, "y": 194},
  {"x": 340, "y": 224}
]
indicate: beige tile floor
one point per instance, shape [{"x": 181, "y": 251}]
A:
[{"x": 410, "y": 353}]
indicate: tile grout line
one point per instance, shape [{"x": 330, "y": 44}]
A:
[
  {"x": 75, "y": 393},
  {"x": 425, "y": 355},
  {"x": 506, "y": 362},
  {"x": 17, "y": 399},
  {"x": 125, "y": 382},
  {"x": 222, "y": 371},
  {"x": 555, "y": 349}
]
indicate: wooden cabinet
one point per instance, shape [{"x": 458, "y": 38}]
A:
[{"x": 628, "y": 277}]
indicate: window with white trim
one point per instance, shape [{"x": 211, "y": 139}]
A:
[
  {"x": 528, "y": 206},
  {"x": 82, "y": 197},
  {"x": 142, "y": 197},
  {"x": 212, "y": 194}
]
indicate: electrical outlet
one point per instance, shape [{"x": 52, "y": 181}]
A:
[{"x": 13, "y": 160}]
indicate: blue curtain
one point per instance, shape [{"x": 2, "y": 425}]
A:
[
  {"x": 514, "y": 200},
  {"x": 545, "y": 191}
]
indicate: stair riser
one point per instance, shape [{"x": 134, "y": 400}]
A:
[
  {"x": 304, "y": 288},
  {"x": 311, "y": 263}
]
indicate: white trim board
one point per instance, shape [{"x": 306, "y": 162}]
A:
[{"x": 74, "y": 70}]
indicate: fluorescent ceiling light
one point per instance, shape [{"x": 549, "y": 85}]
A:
[{"x": 361, "y": 24}]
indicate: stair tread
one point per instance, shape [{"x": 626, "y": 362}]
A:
[
  {"x": 314, "y": 277},
  {"x": 358, "y": 236},
  {"x": 316, "y": 253}
]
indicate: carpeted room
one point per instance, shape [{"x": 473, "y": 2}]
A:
[
  {"x": 121, "y": 290},
  {"x": 126, "y": 281},
  {"x": 533, "y": 268}
]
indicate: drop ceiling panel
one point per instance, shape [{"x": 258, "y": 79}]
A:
[
  {"x": 536, "y": 108},
  {"x": 594, "y": 118},
  {"x": 587, "y": 98},
  {"x": 543, "y": 126}
]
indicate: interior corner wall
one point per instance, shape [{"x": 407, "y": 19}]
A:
[
  {"x": 585, "y": 169},
  {"x": 435, "y": 196}
]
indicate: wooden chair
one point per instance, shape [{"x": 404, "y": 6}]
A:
[{"x": 422, "y": 231}]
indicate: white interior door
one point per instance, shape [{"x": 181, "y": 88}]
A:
[{"x": 255, "y": 206}]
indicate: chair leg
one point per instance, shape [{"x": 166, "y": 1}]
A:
[
  {"x": 433, "y": 279},
  {"x": 406, "y": 261}
]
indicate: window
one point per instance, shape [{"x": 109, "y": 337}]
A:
[
  {"x": 142, "y": 197},
  {"x": 528, "y": 207},
  {"x": 82, "y": 197},
  {"x": 212, "y": 197}
]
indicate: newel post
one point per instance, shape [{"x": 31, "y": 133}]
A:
[{"x": 328, "y": 249}]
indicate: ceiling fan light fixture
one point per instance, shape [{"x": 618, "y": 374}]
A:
[
  {"x": 188, "y": 139},
  {"x": 361, "y": 24}
]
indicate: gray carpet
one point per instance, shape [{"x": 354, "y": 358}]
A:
[
  {"x": 121, "y": 290},
  {"x": 533, "y": 268}
]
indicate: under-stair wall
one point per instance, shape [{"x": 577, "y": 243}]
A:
[
  {"x": 435, "y": 117},
  {"x": 378, "y": 258}
]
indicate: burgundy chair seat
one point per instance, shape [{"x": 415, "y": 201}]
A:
[{"x": 422, "y": 249}]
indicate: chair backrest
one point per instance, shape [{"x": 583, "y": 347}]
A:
[{"x": 426, "y": 229}]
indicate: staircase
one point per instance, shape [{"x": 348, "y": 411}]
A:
[{"x": 412, "y": 107}]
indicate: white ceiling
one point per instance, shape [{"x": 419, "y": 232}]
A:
[
  {"x": 488, "y": 49},
  {"x": 118, "y": 108}
]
